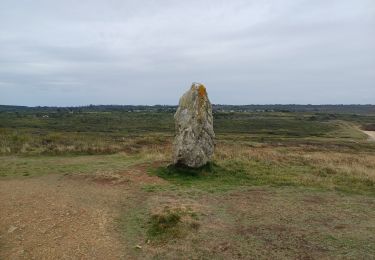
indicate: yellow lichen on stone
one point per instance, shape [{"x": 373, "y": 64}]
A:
[
  {"x": 202, "y": 90},
  {"x": 202, "y": 96}
]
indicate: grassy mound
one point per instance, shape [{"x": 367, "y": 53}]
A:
[{"x": 171, "y": 223}]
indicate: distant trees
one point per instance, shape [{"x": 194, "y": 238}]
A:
[{"x": 329, "y": 109}]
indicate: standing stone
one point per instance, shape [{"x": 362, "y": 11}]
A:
[{"x": 194, "y": 141}]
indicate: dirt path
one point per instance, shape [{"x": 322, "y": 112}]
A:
[
  {"x": 371, "y": 134},
  {"x": 49, "y": 218},
  {"x": 55, "y": 217}
]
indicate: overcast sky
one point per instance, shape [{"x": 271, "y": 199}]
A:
[{"x": 69, "y": 52}]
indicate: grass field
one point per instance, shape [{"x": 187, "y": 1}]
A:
[{"x": 98, "y": 184}]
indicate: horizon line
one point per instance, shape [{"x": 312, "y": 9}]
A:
[{"x": 275, "y": 104}]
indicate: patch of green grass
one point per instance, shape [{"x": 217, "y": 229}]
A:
[
  {"x": 172, "y": 223},
  {"x": 139, "y": 226},
  {"x": 132, "y": 223},
  {"x": 165, "y": 226},
  {"x": 232, "y": 174},
  {"x": 211, "y": 177},
  {"x": 349, "y": 184}
]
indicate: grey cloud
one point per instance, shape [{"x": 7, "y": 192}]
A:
[{"x": 148, "y": 52}]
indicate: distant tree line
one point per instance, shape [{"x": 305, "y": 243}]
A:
[{"x": 346, "y": 109}]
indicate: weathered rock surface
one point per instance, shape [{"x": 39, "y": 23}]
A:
[{"x": 194, "y": 141}]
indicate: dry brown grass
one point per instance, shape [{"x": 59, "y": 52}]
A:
[
  {"x": 319, "y": 168},
  {"x": 356, "y": 164}
]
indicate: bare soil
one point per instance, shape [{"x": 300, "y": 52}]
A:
[
  {"x": 65, "y": 217},
  {"x": 53, "y": 218}
]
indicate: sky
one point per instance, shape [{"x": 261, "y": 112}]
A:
[{"x": 70, "y": 53}]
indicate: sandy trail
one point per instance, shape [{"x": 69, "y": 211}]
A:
[{"x": 371, "y": 134}]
